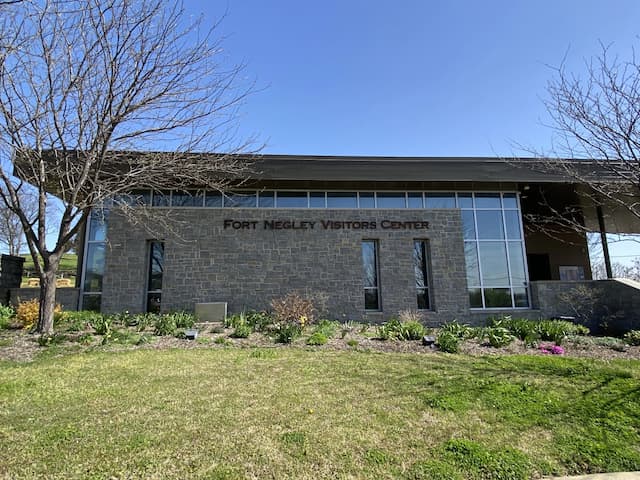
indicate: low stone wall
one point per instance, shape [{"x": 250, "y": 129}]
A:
[
  {"x": 67, "y": 297},
  {"x": 11, "y": 271},
  {"x": 605, "y": 306}
]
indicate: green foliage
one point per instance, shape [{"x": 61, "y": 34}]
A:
[
  {"x": 327, "y": 327},
  {"x": 632, "y": 337},
  {"x": 317, "y": 338},
  {"x": 77, "y": 321},
  {"x": 142, "y": 321},
  {"x": 6, "y": 314},
  {"x": 433, "y": 470},
  {"x": 532, "y": 330},
  {"x": 165, "y": 325},
  {"x": 102, "y": 324},
  {"x": 259, "y": 320},
  {"x": 353, "y": 343},
  {"x": 45, "y": 340},
  {"x": 182, "y": 319},
  {"x": 497, "y": 336},
  {"x": 555, "y": 330},
  {"x": 222, "y": 341},
  {"x": 84, "y": 338},
  {"x": 394, "y": 329},
  {"x": 461, "y": 331},
  {"x": 482, "y": 462},
  {"x": 242, "y": 330},
  {"x": 448, "y": 342},
  {"x": 286, "y": 332}
]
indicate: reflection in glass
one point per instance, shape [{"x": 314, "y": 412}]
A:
[
  {"x": 475, "y": 297},
  {"x": 465, "y": 200},
  {"x": 414, "y": 200},
  {"x": 266, "y": 200},
  {"x": 366, "y": 200},
  {"x": 213, "y": 199},
  {"x": 98, "y": 226},
  {"x": 240, "y": 199},
  {"x": 161, "y": 199},
  {"x": 471, "y": 259},
  {"x": 370, "y": 274},
  {"x": 153, "y": 302},
  {"x": 488, "y": 200},
  {"x": 509, "y": 200},
  {"x": 493, "y": 258},
  {"x": 317, "y": 200},
  {"x": 187, "y": 199},
  {"x": 91, "y": 302},
  {"x": 440, "y": 200},
  {"x": 468, "y": 225},
  {"x": 497, "y": 297},
  {"x": 516, "y": 260},
  {"x": 520, "y": 297},
  {"x": 342, "y": 200},
  {"x": 512, "y": 221},
  {"x": 421, "y": 273},
  {"x": 292, "y": 200},
  {"x": 391, "y": 200},
  {"x": 489, "y": 224},
  {"x": 94, "y": 268},
  {"x": 156, "y": 265}
]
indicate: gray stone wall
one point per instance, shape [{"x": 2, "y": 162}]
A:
[
  {"x": 605, "y": 306},
  {"x": 247, "y": 267},
  {"x": 66, "y": 297}
]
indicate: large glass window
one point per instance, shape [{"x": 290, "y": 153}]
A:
[
  {"x": 292, "y": 200},
  {"x": 342, "y": 200},
  {"x": 187, "y": 199},
  {"x": 154, "y": 281},
  {"x": 420, "y": 267},
  {"x": 494, "y": 250},
  {"x": 240, "y": 199},
  {"x": 94, "y": 260},
  {"x": 370, "y": 275},
  {"x": 391, "y": 200}
]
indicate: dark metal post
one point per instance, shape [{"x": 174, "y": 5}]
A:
[{"x": 603, "y": 239}]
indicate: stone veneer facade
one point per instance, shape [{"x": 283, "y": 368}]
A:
[{"x": 247, "y": 267}]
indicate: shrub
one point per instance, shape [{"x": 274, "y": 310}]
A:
[
  {"x": 232, "y": 321},
  {"x": 327, "y": 328},
  {"x": 448, "y": 342},
  {"x": 555, "y": 330},
  {"x": 395, "y": 329},
  {"x": 242, "y": 330},
  {"x": 412, "y": 330},
  {"x": 27, "y": 313},
  {"x": 632, "y": 337},
  {"x": 294, "y": 308},
  {"x": 498, "y": 336},
  {"x": 317, "y": 338},
  {"x": 165, "y": 325},
  {"x": 461, "y": 331},
  {"x": 6, "y": 314},
  {"x": 390, "y": 330}
]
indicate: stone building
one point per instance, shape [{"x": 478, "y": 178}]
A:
[{"x": 449, "y": 237}]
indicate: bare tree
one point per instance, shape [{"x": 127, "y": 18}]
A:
[
  {"x": 83, "y": 82},
  {"x": 11, "y": 229},
  {"x": 595, "y": 118}
]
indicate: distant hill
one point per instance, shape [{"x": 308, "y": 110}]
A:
[{"x": 68, "y": 264}]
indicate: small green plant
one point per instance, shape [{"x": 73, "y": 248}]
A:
[
  {"x": 317, "y": 338},
  {"x": 353, "y": 343},
  {"x": 448, "y": 342},
  {"x": 102, "y": 324},
  {"x": 46, "y": 340},
  {"x": 183, "y": 319},
  {"x": 632, "y": 337},
  {"x": 394, "y": 329},
  {"x": 286, "y": 332},
  {"x": 165, "y": 325},
  {"x": 461, "y": 331},
  {"x": 142, "y": 321},
  {"x": 85, "y": 338},
  {"x": 6, "y": 314},
  {"x": 498, "y": 336},
  {"x": 242, "y": 330},
  {"x": 259, "y": 321},
  {"x": 327, "y": 327},
  {"x": 412, "y": 330},
  {"x": 222, "y": 341}
]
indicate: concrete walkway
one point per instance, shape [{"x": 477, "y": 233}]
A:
[{"x": 604, "y": 476}]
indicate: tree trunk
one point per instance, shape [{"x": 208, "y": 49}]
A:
[{"x": 47, "y": 301}]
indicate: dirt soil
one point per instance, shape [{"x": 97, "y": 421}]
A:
[{"x": 21, "y": 346}]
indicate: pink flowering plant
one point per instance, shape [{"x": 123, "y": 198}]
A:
[{"x": 550, "y": 349}]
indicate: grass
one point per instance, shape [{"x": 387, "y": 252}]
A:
[{"x": 295, "y": 413}]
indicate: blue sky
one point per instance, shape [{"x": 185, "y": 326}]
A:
[{"x": 424, "y": 78}]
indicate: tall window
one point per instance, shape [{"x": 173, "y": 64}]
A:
[
  {"x": 370, "y": 277},
  {"x": 154, "y": 282},
  {"x": 94, "y": 259},
  {"x": 494, "y": 250},
  {"x": 420, "y": 261}
]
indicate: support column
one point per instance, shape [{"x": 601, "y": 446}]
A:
[{"x": 603, "y": 239}]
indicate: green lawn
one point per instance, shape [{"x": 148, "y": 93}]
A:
[
  {"x": 68, "y": 262},
  {"x": 295, "y": 413}
]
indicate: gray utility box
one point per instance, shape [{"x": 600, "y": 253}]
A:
[{"x": 211, "y": 312}]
